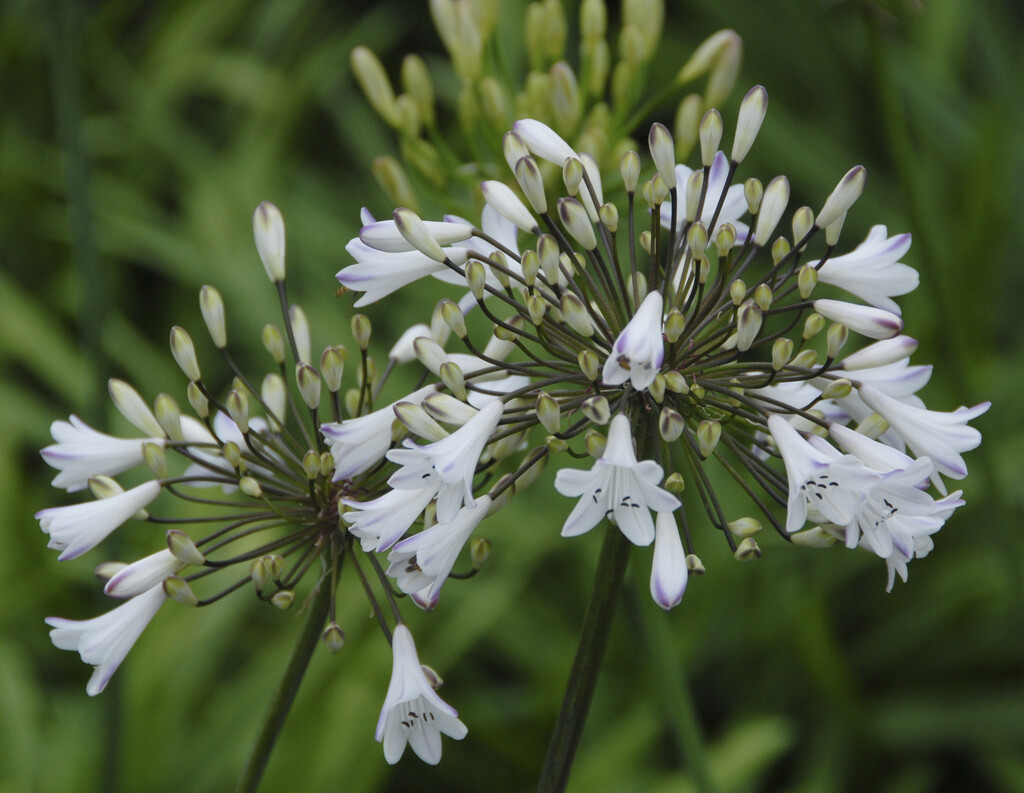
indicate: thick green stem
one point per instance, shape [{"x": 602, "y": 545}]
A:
[
  {"x": 286, "y": 693},
  {"x": 611, "y": 569}
]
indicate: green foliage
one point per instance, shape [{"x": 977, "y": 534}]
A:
[{"x": 136, "y": 140}]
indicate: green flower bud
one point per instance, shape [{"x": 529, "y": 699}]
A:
[
  {"x": 198, "y": 401},
  {"x": 333, "y": 638},
  {"x": 674, "y": 483},
  {"x": 132, "y": 406},
  {"x": 361, "y": 330},
  {"x": 168, "y": 416},
  {"x": 629, "y": 166},
  {"x": 238, "y": 409},
  {"x": 453, "y": 318},
  {"x": 369, "y": 73},
  {"x": 813, "y": 325},
  {"x": 590, "y": 364},
  {"x": 670, "y": 424},
  {"x": 183, "y": 548},
  {"x": 782, "y": 351},
  {"x": 807, "y": 279},
  {"x": 451, "y": 375},
  {"x": 332, "y": 367},
  {"x": 710, "y": 136},
  {"x": 548, "y": 412},
  {"x": 283, "y": 599},
  {"x": 155, "y": 458},
  {"x": 753, "y": 192},
  {"x": 178, "y": 589},
  {"x": 747, "y": 550},
  {"x": 273, "y": 341},
  {"x": 836, "y": 337},
  {"x": 597, "y": 410},
  {"x": 212, "y": 307},
  {"x": 595, "y": 443},
  {"x": 250, "y": 487},
  {"x": 708, "y": 434},
  {"x": 480, "y": 550},
  {"x": 745, "y": 527}
]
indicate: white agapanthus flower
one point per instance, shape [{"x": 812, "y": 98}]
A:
[
  {"x": 80, "y": 453},
  {"x": 78, "y": 528},
  {"x": 413, "y": 713},
  {"x": 639, "y": 350},
  {"x": 104, "y": 641},
  {"x": 618, "y": 487},
  {"x": 872, "y": 271},
  {"x": 142, "y": 575}
]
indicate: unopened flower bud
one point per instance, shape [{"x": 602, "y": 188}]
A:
[
  {"x": 805, "y": 359},
  {"x": 780, "y": 249},
  {"x": 514, "y": 149},
  {"x": 361, "y": 330},
  {"x": 168, "y": 416},
  {"x": 453, "y": 318},
  {"x": 369, "y": 73},
  {"x": 874, "y": 426},
  {"x": 813, "y": 325},
  {"x": 752, "y": 112},
  {"x": 212, "y": 307},
  {"x": 609, "y": 216},
  {"x": 556, "y": 445},
  {"x": 694, "y": 564},
  {"x": 134, "y": 408},
  {"x": 200, "y": 404},
  {"x": 745, "y": 527},
  {"x": 657, "y": 388},
  {"x": 674, "y": 483},
  {"x": 572, "y": 175},
  {"x": 548, "y": 412},
  {"x": 763, "y": 296},
  {"x": 311, "y": 464},
  {"x": 806, "y": 279},
  {"x": 333, "y": 637},
  {"x": 881, "y": 353},
  {"x": 782, "y": 351},
  {"x": 283, "y": 599},
  {"x": 725, "y": 239},
  {"x": 747, "y": 550},
  {"x": 451, "y": 375},
  {"x": 532, "y": 184},
  {"x": 670, "y": 424},
  {"x": 576, "y": 314},
  {"x": 183, "y": 548},
  {"x": 268, "y": 230},
  {"x": 332, "y": 367},
  {"x": 536, "y": 307},
  {"x": 273, "y": 342},
  {"x": 415, "y": 232},
  {"x": 480, "y": 551},
  {"x": 250, "y": 487},
  {"x": 659, "y": 139},
  {"x": 676, "y": 383},
  {"x": 238, "y": 409},
  {"x": 737, "y": 291},
  {"x": 309, "y": 385},
  {"x": 837, "y": 335},
  {"x": 748, "y": 324},
  {"x": 595, "y": 443},
  {"x": 776, "y": 196},
  {"x": 803, "y": 222},
  {"x": 675, "y": 324},
  {"x": 576, "y": 221},
  {"x": 694, "y": 186},
  {"x": 833, "y": 230},
  {"x": 815, "y": 537},
  {"x": 629, "y": 166},
  {"x": 697, "y": 239},
  {"x": 687, "y": 124},
  {"x": 597, "y": 410},
  {"x": 711, "y": 128},
  {"x": 708, "y": 434},
  {"x": 501, "y": 199},
  {"x": 659, "y": 190},
  {"x": 843, "y": 197},
  {"x": 837, "y": 389},
  {"x": 753, "y": 193},
  {"x": 590, "y": 364},
  {"x": 876, "y": 323},
  {"x": 155, "y": 458},
  {"x": 178, "y": 590}
]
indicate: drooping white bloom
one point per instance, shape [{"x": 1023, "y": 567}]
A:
[
  {"x": 880, "y": 353},
  {"x": 421, "y": 563},
  {"x": 618, "y": 487},
  {"x": 734, "y": 205},
  {"x": 639, "y": 350},
  {"x": 875, "y": 323},
  {"x": 359, "y": 444},
  {"x": 104, "y": 641},
  {"x": 822, "y": 488},
  {"x": 451, "y": 460},
  {"x": 380, "y": 523},
  {"x": 930, "y": 433},
  {"x": 872, "y": 271},
  {"x": 80, "y": 453},
  {"x": 142, "y": 575},
  {"x": 668, "y": 569},
  {"x": 897, "y": 561},
  {"x": 413, "y": 713},
  {"x": 77, "y": 528},
  {"x": 378, "y": 274}
]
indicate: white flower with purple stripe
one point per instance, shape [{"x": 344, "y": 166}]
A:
[
  {"x": 639, "y": 350},
  {"x": 872, "y": 271},
  {"x": 80, "y": 453}
]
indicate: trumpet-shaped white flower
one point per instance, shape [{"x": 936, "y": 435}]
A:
[
  {"x": 421, "y": 563},
  {"x": 413, "y": 713},
  {"x": 668, "y": 569},
  {"x": 930, "y": 433},
  {"x": 822, "y": 487},
  {"x": 380, "y": 523},
  {"x": 922, "y": 543},
  {"x": 78, "y": 528},
  {"x": 378, "y": 274},
  {"x": 639, "y": 350},
  {"x": 872, "y": 271},
  {"x": 104, "y": 641},
  {"x": 618, "y": 487},
  {"x": 80, "y": 453},
  {"x": 143, "y": 575},
  {"x": 359, "y": 444},
  {"x": 451, "y": 460}
]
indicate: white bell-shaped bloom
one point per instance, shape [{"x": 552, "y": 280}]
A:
[
  {"x": 421, "y": 563},
  {"x": 380, "y": 523},
  {"x": 413, "y": 713},
  {"x": 930, "y": 433},
  {"x": 822, "y": 488},
  {"x": 618, "y": 487},
  {"x": 872, "y": 271},
  {"x": 451, "y": 460},
  {"x": 104, "y": 641},
  {"x": 639, "y": 350},
  {"x": 668, "y": 569},
  {"x": 80, "y": 453},
  {"x": 78, "y": 528}
]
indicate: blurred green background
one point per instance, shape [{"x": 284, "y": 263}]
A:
[{"x": 135, "y": 140}]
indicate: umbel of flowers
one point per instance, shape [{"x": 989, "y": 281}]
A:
[{"x": 641, "y": 344}]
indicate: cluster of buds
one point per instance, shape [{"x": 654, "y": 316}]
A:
[{"x": 597, "y": 105}]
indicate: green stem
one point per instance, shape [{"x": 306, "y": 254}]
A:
[
  {"x": 611, "y": 569},
  {"x": 286, "y": 693}
]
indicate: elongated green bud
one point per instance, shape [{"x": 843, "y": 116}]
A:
[
  {"x": 178, "y": 590},
  {"x": 451, "y": 375},
  {"x": 273, "y": 342},
  {"x": 369, "y": 73},
  {"x": 575, "y": 313},
  {"x": 629, "y": 166},
  {"x": 548, "y": 412},
  {"x": 200, "y": 404},
  {"x": 168, "y": 416},
  {"x": 836, "y": 337},
  {"x": 708, "y": 434},
  {"x": 212, "y": 307},
  {"x": 309, "y": 385},
  {"x": 183, "y": 548},
  {"x": 134, "y": 408},
  {"x": 782, "y": 351},
  {"x": 332, "y": 367},
  {"x": 711, "y": 128},
  {"x": 238, "y": 409},
  {"x": 361, "y": 330}
]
